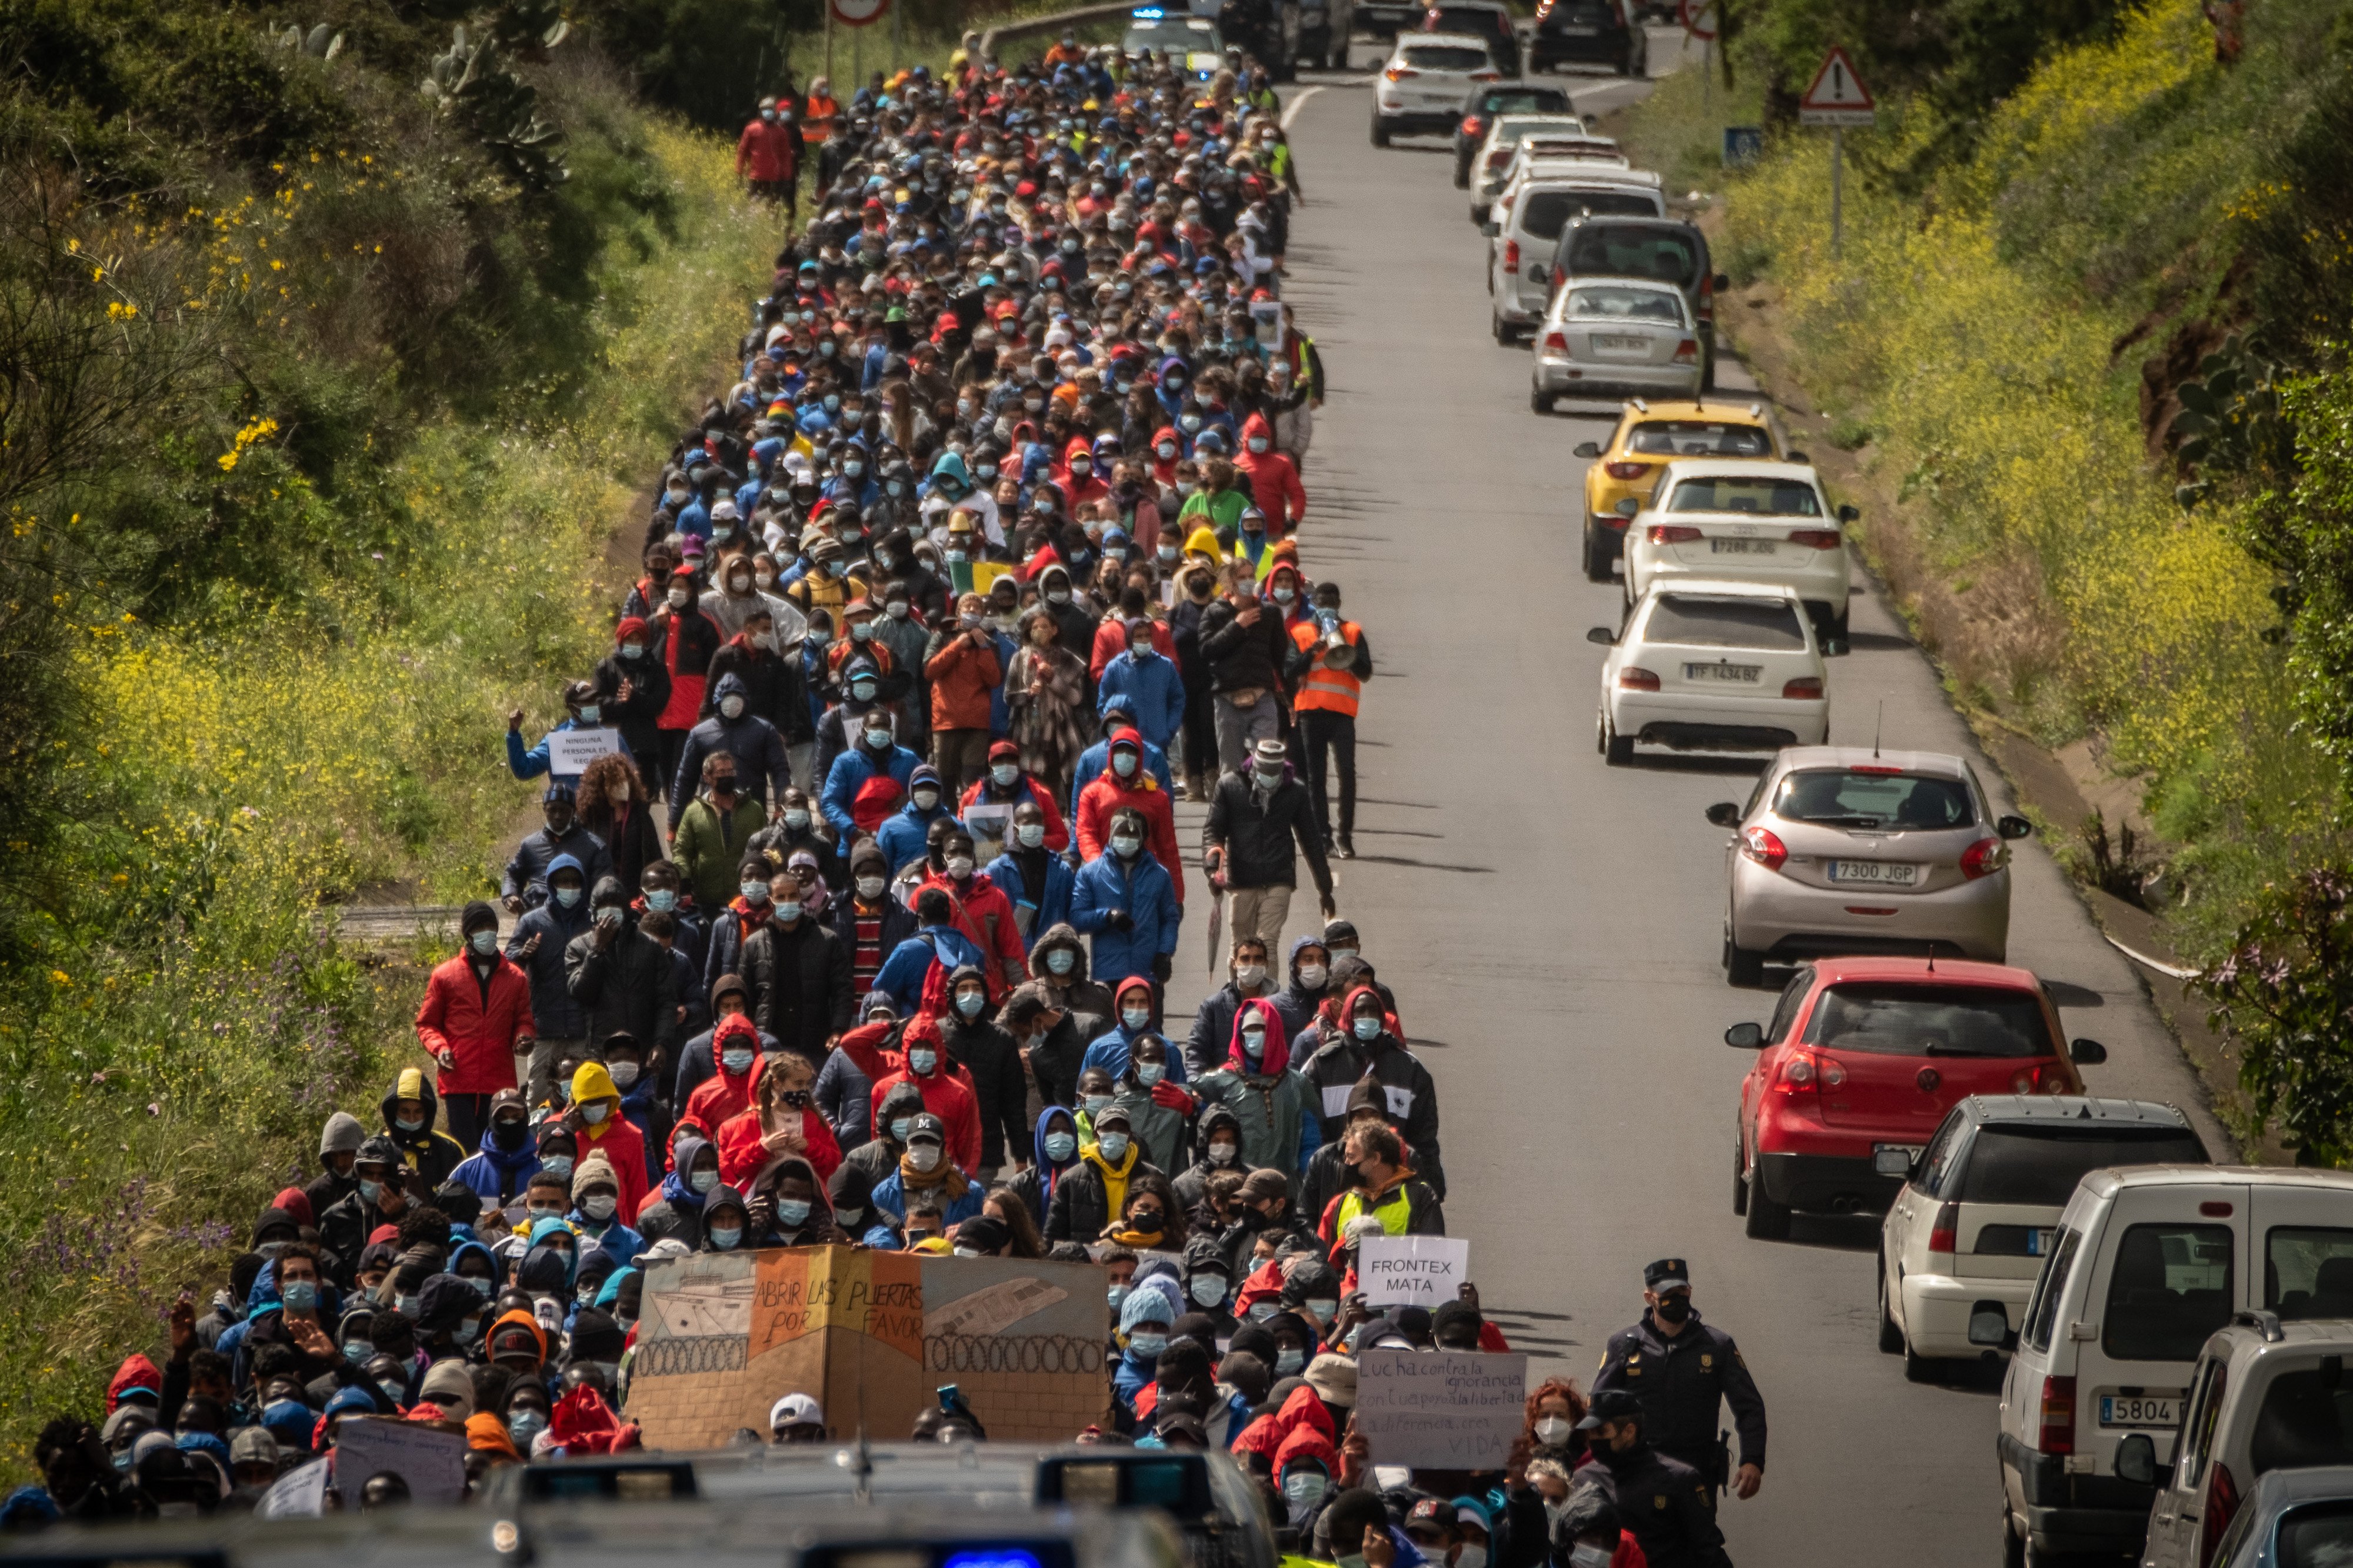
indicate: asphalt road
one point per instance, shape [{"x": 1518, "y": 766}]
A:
[{"x": 1551, "y": 925}]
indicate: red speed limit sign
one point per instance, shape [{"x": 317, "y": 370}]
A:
[
  {"x": 859, "y": 13},
  {"x": 1698, "y": 19}
]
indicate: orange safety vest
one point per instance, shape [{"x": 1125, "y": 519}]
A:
[{"x": 1322, "y": 689}]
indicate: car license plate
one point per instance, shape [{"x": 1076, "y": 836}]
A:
[
  {"x": 2139, "y": 1410},
  {"x": 2038, "y": 1241},
  {"x": 1609, "y": 344},
  {"x": 1580, "y": 32},
  {"x": 1887, "y": 873},
  {"x": 1740, "y": 547},
  {"x": 1739, "y": 674}
]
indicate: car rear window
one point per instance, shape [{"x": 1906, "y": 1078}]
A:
[
  {"x": 1446, "y": 58},
  {"x": 1466, "y": 20},
  {"x": 1581, "y": 14},
  {"x": 2041, "y": 1163},
  {"x": 2169, "y": 1287},
  {"x": 2320, "y": 1536},
  {"x": 1897, "y": 1018},
  {"x": 1851, "y": 797},
  {"x": 1733, "y": 493},
  {"x": 2305, "y": 1420},
  {"x": 1698, "y": 438},
  {"x": 2308, "y": 1271},
  {"x": 1546, "y": 213},
  {"x": 1694, "y": 620},
  {"x": 1525, "y": 101},
  {"x": 1606, "y": 302},
  {"x": 1660, "y": 253}
]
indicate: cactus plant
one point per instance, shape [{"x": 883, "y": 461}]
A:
[
  {"x": 471, "y": 86},
  {"x": 322, "y": 43},
  {"x": 2230, "y": 422}
]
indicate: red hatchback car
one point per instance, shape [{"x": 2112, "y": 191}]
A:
[{"x": 1861, "y": 1060}]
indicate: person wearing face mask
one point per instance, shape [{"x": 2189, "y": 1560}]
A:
[
  {"x": 710, "y": 840},
  {"x": 474, "y": 1022},
  {"x": 764, "y": 658},
  {"x": 1659, "y": 1501},
  {"x": 990, "y": 1060},
  {"x": 982, "y": 909},
  {"x": 1145, "y": 670},
  {"x": 947, "y": 1091},
  {"x": 1144, "y": 1319},
  {"x": 410, "y": 1110},
  {"x": 637, "y": 689},
  {"x": 621, "y": 978},
  {"x": 379, "y": 1198},
  {"x": 1035, "y": 881},
  {"x": 1274, "y": 1107},
  {"x": 683, "y": 639},
  {"x": 1055, "y": 1139},
  {"x": 868, "y": 781},
  {"x": 762, "y": 767},
  {"x": 506, "y": 1159},
  {"x": 903, "y": 837},
  {"x": 1006, "y": 784},
  {"x": 585, "y": 705},
  {"x": 674, "y": 1211},
  {"x": 1685, "y": 1371},
  {"x": 596, "y": 1119},
  {"x": 871, "y": 923},
  {"x": 797, "y": 975},
  {"x": 894, "y": 1115},
  {"x": 799, "y": 829},
  {"x": 727, "y": 1093},
  {"x": 1273, "y": 478},
  {"x": 962, "y": 666},
  {"x": 526, "y": 881},
  {"x": 1085, "y": 1198},
  {"x": 1125, "y": 898},
  {"x": 597, "y": 1206},
  {"x": 1074, "y": 617},
  {"x": 926, "y": 1169},
  {"x": 1158, "y": 1110},
  {"x": 1361, "y": 1044},
  {"x": 726, "y": 1220},
  {"x": 1255, "y": 819}
]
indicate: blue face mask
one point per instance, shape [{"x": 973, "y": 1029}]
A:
[
  {"x": 523, "y": 1426},
  {"x": 300, "y": 1295},
  {"x": 792, "y": 1211},
  {"x": 568, "y": 897},
  {"x": 898, "y": 1125},
  {"x": 662, "y": 899},
  {"x": 1367, "y": 1028},
  {"x": 1147, "y": 1345},
  {"x": 724, "y": 1237},
  {"x": 1117, "y": 1293},
  {"x": 1059, "y": 1146}
]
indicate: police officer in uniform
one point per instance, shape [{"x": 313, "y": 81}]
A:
[
  {"x": 1682, "y": 1370},
  {"x": 1665, "y": 1502}
]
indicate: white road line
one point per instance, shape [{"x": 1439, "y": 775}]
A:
[{"x": 1290, "y": 109}]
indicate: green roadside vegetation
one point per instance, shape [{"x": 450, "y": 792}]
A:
[{"x": 2088, "y": 326}]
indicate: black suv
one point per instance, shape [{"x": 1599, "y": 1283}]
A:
[
  {"x": 1589, "y": 33},
  {"x": 1480, "y": 110},
  {"x": 1668, "y": 250}
]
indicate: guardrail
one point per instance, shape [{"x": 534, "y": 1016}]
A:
[{"x": 1047, "y": 24}]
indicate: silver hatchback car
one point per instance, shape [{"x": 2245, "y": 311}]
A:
[{"x": 1844, "y": 849}]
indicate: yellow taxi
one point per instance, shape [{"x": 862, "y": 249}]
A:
[{"x": 1651, "y": 434}]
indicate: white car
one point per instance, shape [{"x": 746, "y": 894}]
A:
[
  {"x": 1524, "y": 227},
  {"x": 1712, "y": 667},
  {"x": 1423, "y": 84},
  {"x": 1615, "y": 338},
  {"x": 1489, "y": 164},
  {"x": 1759, "y": 522},
  {"x": 1969, "y": 1231}
]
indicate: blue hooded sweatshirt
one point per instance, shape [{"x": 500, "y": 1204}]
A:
[
  {"x": 902, "y": 975},
  {"x": 492, "y": 1171},
  {"x": 903, "y": 835}
]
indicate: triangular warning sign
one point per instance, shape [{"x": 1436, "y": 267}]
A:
[{"x": 1837, "y": 87}]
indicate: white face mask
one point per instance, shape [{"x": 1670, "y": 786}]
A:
[
  {"x": 1471, "y": 1555},
  {"x": 869, "y": 887},
  {"x": 1250, "y": 976},
  {"x": 923, "y": 1156},
  {"x": 1554, "y": 1430},
  {"x": 1030, "y": 834},
  {"x": 1311, "y": 975},
  {"x": 599, "y": 1205},
  {"x": 959, "y": 867}
]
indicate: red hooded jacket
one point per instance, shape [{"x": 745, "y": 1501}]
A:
[
  {"x": 1109, "y": 791},
  {"x": 136, "y": 1371},
  {"x": 721, "y": 1098},
  {"x": 742, "y": 1155},
  {"x": 1273, "y": 480},
  {"x": 944, "y": 1095}
]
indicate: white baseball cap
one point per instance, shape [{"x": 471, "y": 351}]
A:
[{"x": 795, "y": 1410}]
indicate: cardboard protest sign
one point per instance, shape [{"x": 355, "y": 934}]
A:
[
  {"x": 1450, "y": 1410},
  {"x": 1411, "y": 1270},
  {"x": 870, "y": 1335},
  {"x": 432, "y": 1462},
  {"x": 571, "y": 750}
]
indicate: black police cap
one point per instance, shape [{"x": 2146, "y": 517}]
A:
[
  {"x": 1610, "y": 1404},
  {"x": 1667, "y": 1273}
]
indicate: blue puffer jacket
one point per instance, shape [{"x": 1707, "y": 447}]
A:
[
  {"x": 1156, "y": 690},
  {"x": 492, "y": 1171},
  {"x": 1142, "y": 889},
  {"x": 849, "y": 773}
]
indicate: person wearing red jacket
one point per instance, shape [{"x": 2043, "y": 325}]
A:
[
  {"x": 984, "y": 913},
  {"x": 1273, "y": 478},
  {"x": 962, "y": 666},
  {"x": 1076, "y": 477},
  {"x": 727, "y": 1092},
  {"x": 944, "y": 1095},
  {"x": 1006, "y": 785},
  {"x": 1111, "y": 633},
  {"x": 767, "y": 155},
  {"x": 783, "y": 1119},
  {"x": 476, "y": 1019},
  {"x": 1127, "y": 782}
]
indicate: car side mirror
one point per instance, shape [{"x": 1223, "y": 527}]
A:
[
  {"x": 2088, "y": 1053},
  {"x": 1989, "y": 1326},
  {"x": 1491, "y": 228},
  {"x": 1794, "y": 457},
  {"x": 1601, "y": 634},
  {"x": 1587, "y": 449},
  {"x": 2014, "y": 827},
  {"x": 1628, "y": 507},
  {"x": 1723, "y": 813},
  {"x": 1745, "y": 1037},
  {"x": 1850, "y": 513},
  {"x": 1723, "y": 280},
  {"x": 2136, "y": 1456}
]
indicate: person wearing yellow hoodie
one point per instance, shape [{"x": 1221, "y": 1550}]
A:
[
  {"x": 1095, "y": 1188},
  {"x": 595, "y": 1121}
]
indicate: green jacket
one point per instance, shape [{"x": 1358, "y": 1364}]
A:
[
  {"x": 709, "y": 850},
  {"x": 1224, "y": 509},
  {"x": 1276, "y": 1115}
]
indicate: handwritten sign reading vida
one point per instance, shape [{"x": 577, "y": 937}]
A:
[
  {"x": 1448, "y": 1410},
  {"x": 1412, "y": 1271}
]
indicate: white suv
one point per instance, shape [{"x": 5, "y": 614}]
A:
[
  {"x": 1710, "y": 667},
  {"x": 1420, "y": 91},
  {"x": 1964, "y": 1239},
  {"x": 1756, "y": 521}
]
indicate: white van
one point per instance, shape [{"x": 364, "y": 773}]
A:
[{"x": 2149, "y": 1261}]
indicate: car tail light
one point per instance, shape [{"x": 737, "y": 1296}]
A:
[
  {"x": 1486, "y": 76},
  {"x": 2221, "y": 1506},
  {"x": 1762, "y": 846},
  {"x": 1982, "y": 858},
  {"x": 1687, "y": 350},
  {"x": 1798, "y": 1072},
  {"x": 1944, "y": 1231},
  {"x": 1806, "y": 686},
  {"x": 1398, "y": 73},
  {"x": 1871, "y": 768},
  {"x": 1634, "y": 678},
  {"x": 2058, "y": 1424},
  {"x": 1672, "y": 533},
  {"x": 1511, "y": 256},
  {"x": 1830, "y": 1072},
  {"x": 1625, "y": 471},
  {"x": 1556, "y": 342},
  {"x": 1471, "y": 124},
  {"x": 1707, "y": 294},
  {"x": 1816, "y": 538}
]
